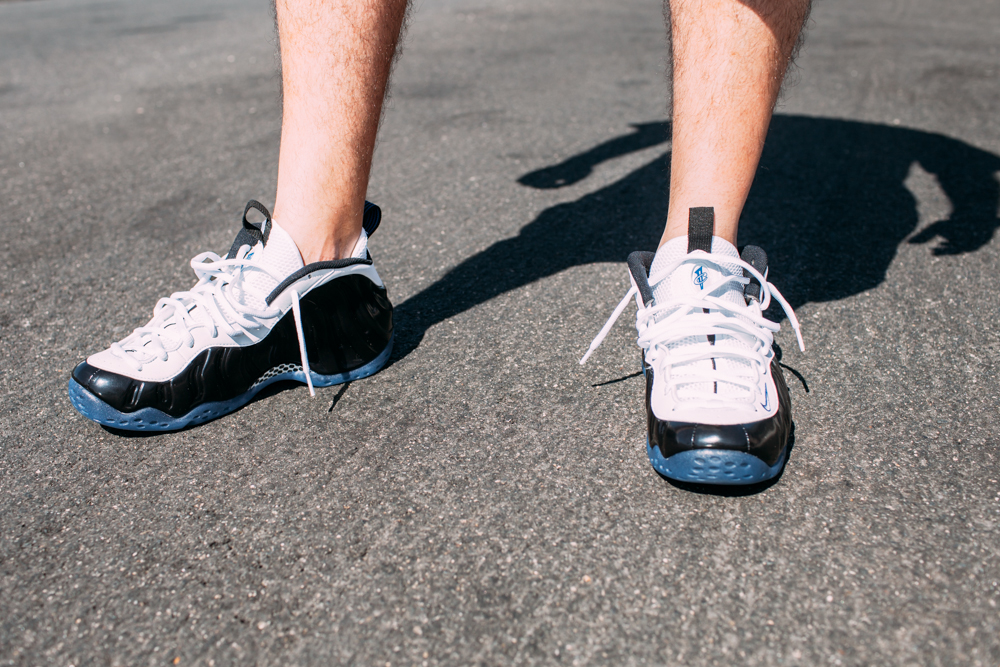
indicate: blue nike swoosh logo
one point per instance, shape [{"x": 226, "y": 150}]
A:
[{"x": 766, "y": 401}]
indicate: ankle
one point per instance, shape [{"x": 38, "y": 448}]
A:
[
  {"x": 330, "y": 239},
  {"x": 723, "y": 229},
  {"x": 321, "y": 248}
]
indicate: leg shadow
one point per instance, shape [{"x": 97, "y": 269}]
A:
[
  {"x": 578, "y": 167},
  {"x": 605, "y": 225},
  {"x": 829, "y": 205}
]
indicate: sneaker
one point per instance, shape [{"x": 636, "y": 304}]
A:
[
  {"x": 717, "y": 405},
  {"x": 255, "y": 317}
]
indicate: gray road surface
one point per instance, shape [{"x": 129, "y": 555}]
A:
[{"x": 485, "y": 500}]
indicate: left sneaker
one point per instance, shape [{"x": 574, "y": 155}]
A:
[
  {"x": 255, "y": 317},
  {"x": 717, "y": 404}
]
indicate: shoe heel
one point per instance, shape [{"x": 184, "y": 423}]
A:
[{"x": 371, "y": 368}]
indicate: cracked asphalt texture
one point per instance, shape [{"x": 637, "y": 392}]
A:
[{"x": 484, "y": 499}]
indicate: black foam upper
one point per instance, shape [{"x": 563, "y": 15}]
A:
[
  {"x": 766, "y": 439},
  {"x": 346, "y": 323}
]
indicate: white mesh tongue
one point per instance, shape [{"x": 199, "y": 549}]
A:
[
  {"x": 251, "y": 286},
  {"x": 687, "y": 280},
  {"x": 683, "y": 280},
  {"x": 279, "y": 255}
]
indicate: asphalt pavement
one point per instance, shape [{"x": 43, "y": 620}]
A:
[{"x": 484, "y": 499}]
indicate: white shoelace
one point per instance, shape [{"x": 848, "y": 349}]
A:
[
  {"x": 660, "y": 325},
  {"x": 220, "y": 310}
]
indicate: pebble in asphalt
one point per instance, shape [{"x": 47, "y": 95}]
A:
[{"x": 485, "y": 500}]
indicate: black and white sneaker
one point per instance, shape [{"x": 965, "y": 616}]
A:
[
  {"x": 255, "y": 317},
  {"x": 717, "y": 405}
]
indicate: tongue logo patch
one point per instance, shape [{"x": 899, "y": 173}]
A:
[{"x": 699, "y": 277}]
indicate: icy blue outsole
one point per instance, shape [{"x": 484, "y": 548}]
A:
[
  {"x": 151, "y": 419},
  {"x": 714, "y": 466}
]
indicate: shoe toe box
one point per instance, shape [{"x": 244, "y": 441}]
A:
[
  {"x": 112, "y": 388},
  {"x": 765, "y": 439}
]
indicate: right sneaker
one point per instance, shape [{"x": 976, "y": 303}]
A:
[
  {"x": 255, "y": 317},
  {"x": 717, "y": 405}
]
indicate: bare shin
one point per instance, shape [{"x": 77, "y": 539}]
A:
[
  {"x": 336, "y": 57},
  {"x": 729, "y": 59}
]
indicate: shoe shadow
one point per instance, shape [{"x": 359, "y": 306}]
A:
[
  {"x": 829, "y": 205},
  {"x": 638, "y": 373}
]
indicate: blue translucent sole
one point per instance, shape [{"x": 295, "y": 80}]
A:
[
  {"x": 151, "y": 419},
  {"x": 714, "y": 466}
]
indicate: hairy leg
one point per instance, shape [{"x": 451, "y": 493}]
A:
[
  {"x": 729, "y": 59},
  {"x": 336, "y": 57}
]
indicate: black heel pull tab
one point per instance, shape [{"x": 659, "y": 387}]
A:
[
  {"x": 701, "y": 228},
  {"x": 251, "y": 234},
  {"x": 372, "y": 218}
]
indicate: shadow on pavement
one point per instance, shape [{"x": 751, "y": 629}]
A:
[{"x": 829, "y": 206}]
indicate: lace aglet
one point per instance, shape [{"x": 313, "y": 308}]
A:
[
  {"x": 302, "y": 343},
  {"x": 773, "y": 291},
  {"x": 607, "y": 325}
]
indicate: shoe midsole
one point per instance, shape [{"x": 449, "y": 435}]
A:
[
  {"x": 151, "y": 419},
  {"x": 714, "y": 466}
]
